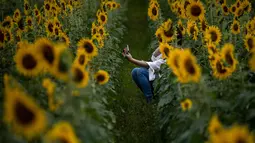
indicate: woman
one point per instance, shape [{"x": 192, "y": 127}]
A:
[{"x": 146, "y": 73}]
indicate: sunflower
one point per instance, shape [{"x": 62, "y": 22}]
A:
[
  {"x": 252, "y": 62},
  {"x": 36, "y": 11},
  {"x": 29, "y": 22},
  {"x": 38, "y": 19},
  {"x": 47, "y": 6},
  {"x": 26, "y": 7},
  {"x": 81, "y": 58},
  {"x": 21, "y": 24},
  {"x": 235, "y": 27},
  {"x": 189, "y": 68},
  {"x": 2, "y": 37},
  {"x": 61, "y": 64},
  {"x": 228, "y": 56},
  {"x": 93, "y": 28},
  {"x": 168, "y": 32},
  {"x": 195, "y": 10},
  {"x": 239, "y": 12},
  {"x": 56, "y": 30},
  {"x": 57, "y": 22},
  {"x": 249, "y": 42},
  {"x": 63, "y": 5},
  {"x": 88, "y": 46},
  {"x": 17, "y": 15},
  {"x": 49, "y": 27},
  {"x": 102, "y": 77},
  {"x": 8, "y": 35},
  {"x": 225, "y": 9},
  {"x": 61, "y": 132},
  {"x": 233, "y": 9},
  {"x": 203, "y": 25},
  {"x": 181, "y": 27},
  {"x": 238, "y": 3},
  {"x": 214, "y": 126},
  {"x": 18, "y": 35},
  {"x": 153, "y": 12},
  {"x": 186, "y": 104},
  {"x": 23, "y": 114},
  {"x": 239, "y": 134},
  {"x": 246, "y": 5},
  {"x": 159, "y": 34},
  {"x": 174, "y": 63},
  {"x": 219, "y": 71},
  {"x": 27, "y": 61},
  {"x": 97, "y": 38},
  {"x": 47, "y": 51},
  {"x": 7, "y": 23},
  {"x": 64, "y": 38},
  {"x": 213, "y": 35},
  {"x": 212, "y": 49},
  {"x": 79, "y": 76},
  {"x": 102, "y": 18},
  {"x": 165, "y": 49},
  {"x": 192, "y": 30},
  {"x": 101, "y": 31}
]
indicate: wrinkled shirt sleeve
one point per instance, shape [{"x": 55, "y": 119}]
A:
[{"x": 154, "y": 66}]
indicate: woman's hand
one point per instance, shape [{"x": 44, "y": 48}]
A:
[{"x": 128, "y": 56}]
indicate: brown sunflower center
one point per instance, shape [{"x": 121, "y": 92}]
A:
[
  {"x": 195, "y": 10},
  {"x": 26, "y": 6},
  {"x": 101, "y": 31},
  {"x": 233, "y": 9},
  {"x": 169, "y": 33},
  {"x": 186, "y": 105},
  {"x": 204, "y": 26},
  {"x": 176, "y": 62},
  {"x": 213, "y": 49},
  {"x": 47, "y": 6},
  {"x": 48, "y": 53},
  {"x": 78, "y": 75},
  {"x": 56, "y": 31},
  {"x": 241, "y": 140},
  {"x": 6, "y": 24},
  {"x": 235, "y": 27},
  {"x": 214, "y": 36},
  {"x": 23, "y": 114},
  {"x": 240, "y": 12},
  {"x": 50, "y": 27},
  {"x": 100, "y": 78},
  {"x": 36, "y": 12},
  {"x": 88, "y": 47},
  {"x": 21, "y": 24},
  {"x": 225, "y": 8},
  {"x": 190, "y": 67},
  {"x": 154, "y": 11},
  {"x": 221, "y": 1},
  {"x": 16, "y": 14},
  {"x": 250, "y": 43},
  {"x": 114, "y": 5},
  {"x": 246, "y": 7},
  {"x": 29, "y": 62},
  {"x": 82, "y": 59},
  {"x": 160, "y": 38},
  {"x": 1, "y": 36},
  {"x": 102, "y": 18},
  {"x": 220, "y": 68},
  {"x": 192, "y": 30},
  {"x": 94, "y": 31},
  {"x": 229, "y": 58},
  {"x": 29, "y": 22},
  {"x": 166, "y": 51}
]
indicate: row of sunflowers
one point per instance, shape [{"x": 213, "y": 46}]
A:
[
  {"x": 207, "y": 86},
  {"x": 56, "y": 62}
]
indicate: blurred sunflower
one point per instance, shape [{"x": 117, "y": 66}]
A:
[
  {"x": 36, "y": 11},
  {"x": 102, "y": 18},
  {"x": 239, "y": 12},
  {"x": 21, "y": 24},
  {"x": 96, "y": 38},
  {"x": 159, "y": 34},
  {"x": 174, "y": 61},
  {"x": 235, "y": 27},
  {"x": 189, "y": 68},
  {"x": 93, "y": 28},
  {"x": 153, "y": 11},
  {"x": 246, "y": 5},
  {"x": 27, "y": 61},
  {"x": 2, "y": 37},
  {"x": 61, "y": 132},
  {"x": 23, "y": 114},
  {"x": 233, "y": 9},
  {"x": 212, "y": 49},
  {"x": 252, "y": 62},
  {"x": 213, "y": 34},
  {"x": 168, "y": 31},
  {"x": 192, "y": 30},
  {"x": 26, "y": 7},
  {"x": 238, "y": 3},
  {"x": 64, "y": 38},
  {"x": 181, "y": 27},
  {"x": 38, "y": 19},
  {"x": 29, "y": 22},
  {"x": 8, "y": 22},
  {"x": 186, "y": 104},
  {"x": 79, "y": 76},
  {"x": 56, "y": 31},
  {"x": 47, "y": 7},
  {"x": 249, "y": 42},
  {"x": 81, "y": 58},
  {"x": 203, "y": 25},
  {"x": 219, "y": 71},
  {"x": 195, "y": 10},
  {"x": 114, "y": 5},
  {"x": 17, "y": 15},
  {"x": 8, "y": 35},
  {"x": 101, "y": 31},
  {"x": 239, "y": 134},
  {"x": 215, "y": 126},
  {"x": 228, "y": 56},
  {"x": 18, "y": 35},
  {"x": 61, "y": 65},
  {"x": 49, "y": 85},
  {"x": 101, "y": 77},
  {"x": 88, "y": 46},
  {"x": 165, "y": 50},
  {"x": 46, "y": 50},
  {"x": 57, "y": 22},
  {"x": 225, "y": 9},
  {"x": 49, "y": 27},
  {"x": 63, "y": 5}
]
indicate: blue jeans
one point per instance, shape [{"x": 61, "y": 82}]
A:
[{"x": 141, "y": 78}]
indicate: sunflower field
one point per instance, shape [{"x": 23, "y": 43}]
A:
[{"x": 64, "y": 80}]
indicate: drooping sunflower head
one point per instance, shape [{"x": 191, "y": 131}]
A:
[
  {"x": 173, "y": 61},
  {"x": 17, "y": 15},
  {"x": 27, "y": 61},
  {"x": 195, "y": 10},
  {"x": 186, "y": 104},
  {"x": 7, "y": 23},
  {"x": 101, "y": 77},
  {"x": 189, "y": 68},
  {"x": 246, "y": 5},
  {"x": 79, "y": 76},
  {"x": 165, "y": 50},
  {"x": 153, "y": 11},
  {"x": 101, "y": 31},
  {"x": 88, "y": 46},
  {"x": 22, "y": 113},
  {"x": 213, "y": 34},
  {"x": 235, "y": 27},
  {"x": 215, "y": 126},
  {"x": 249, "y": 42},
  {"x": 228, "y": 56}
]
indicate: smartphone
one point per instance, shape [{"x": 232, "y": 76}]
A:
[{"x": 126, "y": 50}]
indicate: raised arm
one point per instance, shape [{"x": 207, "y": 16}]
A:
[{"x": 139, "y": 63}]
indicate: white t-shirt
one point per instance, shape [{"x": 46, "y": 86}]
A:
[{"x": 154, "y": 65}]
